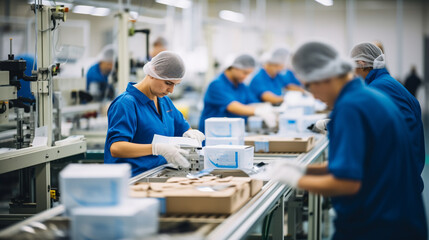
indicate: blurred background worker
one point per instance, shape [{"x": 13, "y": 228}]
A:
[
  {"x": 368, "y": 148},
  {"x": 228, "y": 96},
  {"x": 159, "y": 45},
  {"x": 413, "y": 81},
  {"x": 144, "y": 110},
  {"x": 271, "y": 80},
  {"x": 370, "y": 65},
  {"x": 97, "y": 75}
]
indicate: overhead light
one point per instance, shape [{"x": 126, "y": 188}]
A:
[
  {"x": 176, "y": 3},
  {"x": 231, "y": 16},
  {"x": 326, "y": 2},
  {"x": 83, "y": 9},
  {"x": 100, "y": 12}
]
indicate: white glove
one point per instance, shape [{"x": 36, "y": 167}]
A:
[
  {"x": 195, "y": 134},
  {"x": 288, "y": 172},
  {"x": 321, "y": 125},
  {"x": 266, "y": 112},
  {"x": 172, "y": 153}
]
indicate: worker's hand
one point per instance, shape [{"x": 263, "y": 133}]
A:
[
  {"x": 195, "y": 134},
  {"x": 172, "y": 153},
  {"x": 288, "y": 172},
  {"x": 266, "y": 112},
  {"x": 321, "y": 126}
]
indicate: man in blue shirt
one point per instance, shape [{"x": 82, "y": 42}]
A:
[
  {"x": 272, "y": 79},
  {"x": 97, "y": 75},
  {"x": 371, "y": 66},
  {"x": 144, "y": 110},
  {"x": 374, "y": 191},
  {"x": 228, "y": 96}
]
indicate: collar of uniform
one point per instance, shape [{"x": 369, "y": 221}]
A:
[
  {"x": 374, "y": 74},
  {"x": 353, "y": 84},
  {"x": 225, "y": 78},
  {"x": 264, "y": 72},
  {"x": 141, "y": 97}
]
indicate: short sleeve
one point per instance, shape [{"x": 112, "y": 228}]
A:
[
  {"x": 122, "y": 121},
  {"x": 289, "y": 78},
  {"x": 258, "y": 86},
  {"x": 219, "y": 95},
  {"x": 347, "y": 143},
  {"x": 251, "y": 98}
]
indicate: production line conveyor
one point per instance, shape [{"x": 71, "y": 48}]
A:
[{"x": 243, "y": 224}]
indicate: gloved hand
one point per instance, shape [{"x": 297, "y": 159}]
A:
[
  {"x": 172, "y": 153},
  {"x": 266, "y": 112},
  {"x": 195, "y": 134},
  {"x": 288, "y": 172},
  {"x": 321, "y": 126}
]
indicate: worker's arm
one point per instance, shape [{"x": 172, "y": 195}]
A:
[
  {"x": 328, "y": 185},
  {"x": 271, "y": 98},
  {"x": 124, "y": 149},
  {"x": 317, "y": 169},
  {"x": 240, "y": 109}
]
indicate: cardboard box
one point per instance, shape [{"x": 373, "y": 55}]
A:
[
  {"x": 213, "y": 141},
  {"x": 278, "y": 144},
  {"x": 207, "y": 195},
  {"x": 224, "y": 127},
  {"x": 228, "y": 156}
]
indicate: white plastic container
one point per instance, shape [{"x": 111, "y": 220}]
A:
[
  {"x": 224, "y": 127},
  {"x": 91, "y": 185},
  {"x": 254, "y": 123},
  {"x": 134, "y": 219},
  {"x": 213, "y": 141},
  {"x": 228, "y": 157}
]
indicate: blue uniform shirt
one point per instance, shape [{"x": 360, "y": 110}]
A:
[
  {"x": 25, "y": 90},
  {"x": 262, "y": 82},
  {"x": 289, "y": 78},
  {"x": 94, "y": 75},
  {"x": 370, "y": 143},
  {"x": 381, "y": 80},
  {"x": 133, "y": 118},
  {"x": 220, "y": 93}
]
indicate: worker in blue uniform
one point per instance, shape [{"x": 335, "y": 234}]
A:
[
  {"x": 228, "y": 96},
  {"x": 373, "y": 190},
  {"x": 371, "y": 66},
  {"x": 144, "y": 110},
  {"x": 97, "y": 75},
  {"x": 273, "y": 79}
]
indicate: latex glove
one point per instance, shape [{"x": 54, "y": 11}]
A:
[
  {"x": 321, "y": 126},
  {"x": 266, "y": 112},
  {"x": 288, "y": 172},
  {"x": 172, "y": 153},
  {"x": 195, "y": 134}
]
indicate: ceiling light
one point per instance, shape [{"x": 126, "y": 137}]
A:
[
  {"x": 231, "y": 16},
  {"x": 176, "y": 3},
  {"x": 83, "y": 9},
  {"x": 326, "y": 2},
  {"x": 100, "y": 12}
]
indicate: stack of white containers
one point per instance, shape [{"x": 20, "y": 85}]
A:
[
  {"x": 96, "y": 199},
  {"x": 224, "y": 131}
]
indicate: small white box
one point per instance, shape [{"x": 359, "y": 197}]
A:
[
  {"x": 212, "y": 141},
  {"x": 224, "y": 127},
  {"x": 94, "y": 184},
  {"x": 297, "y": 124},
  {"x": 135, "y": 219},
  {"x": 228, "y": 156}
]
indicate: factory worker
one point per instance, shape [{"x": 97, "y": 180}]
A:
[
  {"x": 228, "y": 96},
  {"x": 373, "y": 190},
  {"x": 268, "y": 84},
  {"x": 371, "y": 66},
  {"x": 159, "y": 45},
  {"x": 97, "y": 75},
  {"x": 144, "y": 110}
]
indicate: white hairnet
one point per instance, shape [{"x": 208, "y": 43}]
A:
[
  {"x": 108, "y": 55},
  {"x": 244, "y": 61},
  {"x": 278, "y": 56},
  {"x": 368, "y": 55},
  {"x": 166, "y": 65},
  {"x": 316, "y": 61}
]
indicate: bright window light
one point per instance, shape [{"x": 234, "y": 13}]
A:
[
  {"x": 83, "y": 9},
  {"x": 231, "y": 16},
  {"x": 100, "y": 12},
  {"x": 176, "y": 3},
  {"x": 326, "y": 2}
]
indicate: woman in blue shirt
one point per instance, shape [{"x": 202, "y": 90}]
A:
[
  {"x": 373, "y": 190},
  {"x": 144, "y": 110}
]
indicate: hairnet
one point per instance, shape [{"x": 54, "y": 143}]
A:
[
  {"x": 244, "y": 61},
  {"x": 316, "y": 61},
  {"x": 278, "y": 56},
  {"x": 108, "y": 55},
  {"x": 166, "y": 65},
  {"x": 370, "y": 54}
]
